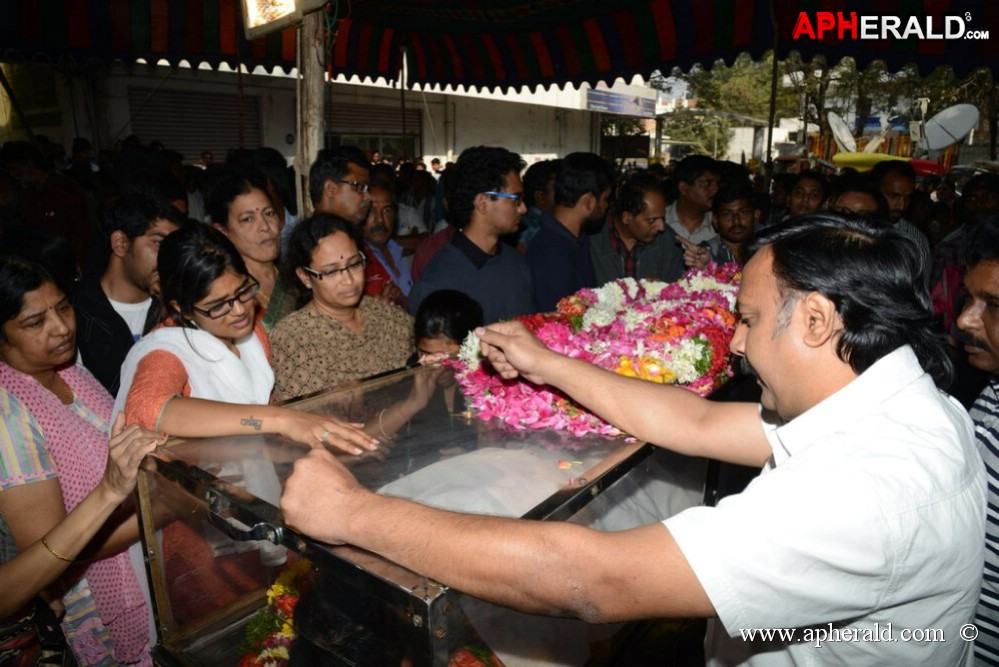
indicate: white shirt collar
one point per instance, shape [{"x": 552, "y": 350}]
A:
[{"x": 883, "y": 379}]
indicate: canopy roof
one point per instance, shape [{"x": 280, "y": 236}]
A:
[{"x": 487, "y": 43}]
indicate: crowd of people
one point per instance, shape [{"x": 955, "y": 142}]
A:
[{"x": 149, "y": 298}]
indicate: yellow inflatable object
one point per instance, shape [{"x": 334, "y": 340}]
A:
[{"x": 862, "y": 161}]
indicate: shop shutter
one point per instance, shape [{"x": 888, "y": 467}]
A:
[
  {"x": 371, "y": 120},
  {"x": 191, "y": 122}
]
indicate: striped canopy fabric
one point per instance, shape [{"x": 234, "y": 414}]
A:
[{"x": 494, "y": 44}]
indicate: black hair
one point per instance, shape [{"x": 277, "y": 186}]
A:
[
  {"x": 189, "y": 261},
  {"x": 479, "y": 169},
  {"x": 988, "y": 182},
  {"x": 158, "y": 184},
  {"x": 381, "y": 174},
  {"x": 730, "y": 191},
  {"x": 268, "y": 163},
  {"x": 81, "y": 144},
  {"x": 134, "y": 214},
  {"x": 537, "y": 177},
  {"x": 811, "y": 175},
  {"x": 785, "y": 180},
  {"x": 630, "y": 196},
  {"x": 874, "y": 276},
  {"x": 44, "y": 247},
  {"x": 304, "y": 239},
  {"x": 18, "y": 276},
  {"x": 448, "y": 313},
  {"x": 885, "y": 167},
  {"x": 227, "y": 188},
  {"x": 332, "y": 164},
  {"x": 582, "y": 173},
  {"x": 981, "y": 241},
  {"x": 21, "y": 152},
  {"x": 861, "y": 185},
  {"x": 690, "y": 168},
  {"x": 731, "y": 171}
]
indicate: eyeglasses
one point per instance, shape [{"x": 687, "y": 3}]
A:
[
  {"x": 224, "y": 307},
  {"x": 729, "y": 214},
  {"x": 361, "y": 187},
  {"x": 356, "y": 265},
  {"x": 516, "y": 199}
]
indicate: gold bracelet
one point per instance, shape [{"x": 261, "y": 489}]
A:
[
  {"x": 46, "y": 545},
  {"x": 381, "y": 427}
]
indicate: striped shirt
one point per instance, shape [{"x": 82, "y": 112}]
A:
[
  {"x": 985, "y": 412},
  {"x": 913, "y": 233}
]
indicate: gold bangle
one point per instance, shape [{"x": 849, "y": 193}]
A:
[
  {"x": 381, "y": 427},
  {"x": 63, "y": 558}
]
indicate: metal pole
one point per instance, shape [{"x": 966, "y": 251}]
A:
[
  {"x": 311, "y": 113},
  {"x": 773, "y": 85},
  {"x": 402, "y": 98},
  {"x": 239, "y": 79}
]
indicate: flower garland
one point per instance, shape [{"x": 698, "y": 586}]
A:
[
  {"x": 269, "y": 634},
  {"x": 675, "y": 333}
]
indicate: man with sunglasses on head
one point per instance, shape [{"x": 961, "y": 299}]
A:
[
  {"x": 485, "y": 201},
  {"x": 339, "y": 184}
]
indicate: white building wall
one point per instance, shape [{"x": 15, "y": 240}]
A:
[
  {"x": 740, "y": 144},
  {"x": 450, "y": 122}
]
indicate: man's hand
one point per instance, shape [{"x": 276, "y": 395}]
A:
[
  {"x": 317, "y": 497},
  {"x": 694, "y": 256},
  {"x": 513, "y": 351}
]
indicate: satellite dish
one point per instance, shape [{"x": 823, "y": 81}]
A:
[
  {"x": 841, "y": 133},
  {"x": 949, "y": 126}
]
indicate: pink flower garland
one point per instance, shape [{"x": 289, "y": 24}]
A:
[{"x": 675, "y": 333}]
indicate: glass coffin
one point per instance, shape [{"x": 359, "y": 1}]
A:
[{"x": 218, "y": 552}]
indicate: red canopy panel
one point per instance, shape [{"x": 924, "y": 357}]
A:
[{"x": 488, "y": 44}]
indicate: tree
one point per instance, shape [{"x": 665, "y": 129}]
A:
[
  {"x": 727, "y": 96},
  {"x": 612, "y": 125},
  {"x": 742, "y": 88},
  {"x": 811, "y": 89},
  {"x": 708, "y": 132}
]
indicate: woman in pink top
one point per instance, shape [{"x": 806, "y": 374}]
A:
[{"x": 53, "y": 455}]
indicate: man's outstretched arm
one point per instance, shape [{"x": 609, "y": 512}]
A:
[
  {"x": 661, "y": 414},
  {"x": 539, "y": 567}
]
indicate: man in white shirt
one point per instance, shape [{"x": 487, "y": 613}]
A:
[
  {"x": 114, "y": 308},
  {"x": 697, "y": 180},
  {"x": 689, "y": 217},
  {"x": 861, "y": 538}
]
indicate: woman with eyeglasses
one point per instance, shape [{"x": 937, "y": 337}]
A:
[
  {"x": 337, "y": 335},
  {"x": 205, "y": 370},
  {"x": 240, "y": 208}
]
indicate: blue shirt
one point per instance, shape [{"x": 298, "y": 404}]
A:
[{"x": 560, "y": 263}]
